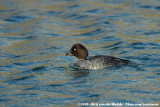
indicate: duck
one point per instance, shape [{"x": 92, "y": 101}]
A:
[{"x": 95, "y": 62}]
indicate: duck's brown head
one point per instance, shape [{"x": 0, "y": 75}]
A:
[{"x": 79, "y": 51}]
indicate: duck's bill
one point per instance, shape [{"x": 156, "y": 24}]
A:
[{"x": 68, "y": 54}]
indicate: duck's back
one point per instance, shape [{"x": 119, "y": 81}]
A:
[{"x": 100, "y": 62}]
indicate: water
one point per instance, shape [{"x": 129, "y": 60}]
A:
[{"x": 35, "y": 35}]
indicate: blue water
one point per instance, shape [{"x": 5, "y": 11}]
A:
[{"x": 35, "y": 35}]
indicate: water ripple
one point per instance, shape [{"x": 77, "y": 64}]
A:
[{"x": 17, "y": 19}]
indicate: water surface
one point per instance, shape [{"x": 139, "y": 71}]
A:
[{"x": 35, "y": 35}]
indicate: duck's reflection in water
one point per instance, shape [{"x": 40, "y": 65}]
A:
[{"x": 78, "y": 73}]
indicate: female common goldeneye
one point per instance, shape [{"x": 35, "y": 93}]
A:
[{"x": 95, "y": 62}]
